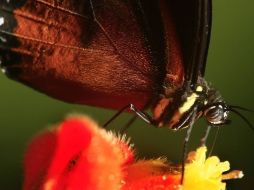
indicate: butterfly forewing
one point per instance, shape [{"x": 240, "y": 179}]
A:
[
  {"x": 61, "y": 51},
  {"x": 104, "y": 53}
]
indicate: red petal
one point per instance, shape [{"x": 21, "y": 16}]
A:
[
  {"x": 165, "y": 182},
  {"x": 150, "y": 175},
  {"x": 78, "y": 156},
  {"x": 37, "y": 160}
]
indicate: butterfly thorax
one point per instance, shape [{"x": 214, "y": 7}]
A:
[{"x": 187, "y": 103}]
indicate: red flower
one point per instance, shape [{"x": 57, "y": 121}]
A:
[{"x": 78, "y": 155}]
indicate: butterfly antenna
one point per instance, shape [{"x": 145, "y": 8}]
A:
[
  {"x": 240, "y": 108},
  {"x": 241, "y": 115}
]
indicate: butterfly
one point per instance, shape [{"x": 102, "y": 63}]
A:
[{"x": 119, "y": 54}]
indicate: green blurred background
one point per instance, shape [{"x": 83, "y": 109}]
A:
[{"x": 24, "y": 112}]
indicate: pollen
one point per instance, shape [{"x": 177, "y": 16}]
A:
[{"x": 207, "y": 173}]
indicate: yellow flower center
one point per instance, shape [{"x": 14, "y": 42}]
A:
[{"x": 206, "y": 174}]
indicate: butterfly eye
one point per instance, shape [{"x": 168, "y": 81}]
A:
[{"x": 216, "y": 114}]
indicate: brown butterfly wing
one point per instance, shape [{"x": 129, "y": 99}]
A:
[{"x": 58, "y": 49}]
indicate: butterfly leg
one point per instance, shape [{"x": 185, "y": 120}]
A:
[
  {"x": 204, "y": 138},
  {"x": 128, "y": 124},
  {"x": 145, "y": 117}
]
